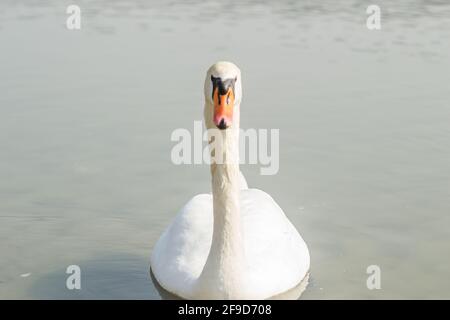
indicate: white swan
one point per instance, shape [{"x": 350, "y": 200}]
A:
[{"x": 236, "y": 243}]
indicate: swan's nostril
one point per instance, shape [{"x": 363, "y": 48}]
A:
[{"x": 222, "y": 125}]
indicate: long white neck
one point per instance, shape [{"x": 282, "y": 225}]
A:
[{"x": 224, "y": 267}]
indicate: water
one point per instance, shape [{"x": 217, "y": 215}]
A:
[{"x": 86, "y": 118}]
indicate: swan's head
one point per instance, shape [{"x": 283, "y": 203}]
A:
[{"x": 223, "y": 94}]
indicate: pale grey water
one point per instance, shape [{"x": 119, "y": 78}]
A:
[{"x": 86, "y": 118}]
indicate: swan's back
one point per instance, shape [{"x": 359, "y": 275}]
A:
[{"x": 276, "y": 256}]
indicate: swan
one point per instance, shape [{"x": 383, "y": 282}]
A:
[{"x": 235, "y": 243}]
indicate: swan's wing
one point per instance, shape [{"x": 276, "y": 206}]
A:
[
  {"x": 180, "y": 254},
  {"x": 277, "y": 257}
]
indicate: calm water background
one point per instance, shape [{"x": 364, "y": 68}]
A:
[{"x": 86, "y": 118}]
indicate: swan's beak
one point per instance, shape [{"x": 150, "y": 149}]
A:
[{"x": 223, "y": 108}]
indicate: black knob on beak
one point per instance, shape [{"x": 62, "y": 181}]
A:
[{"x": 222, "y": 125}]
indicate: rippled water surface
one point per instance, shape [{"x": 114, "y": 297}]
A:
[{"x": 86, "y": 117}]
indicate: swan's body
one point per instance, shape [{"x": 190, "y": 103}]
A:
[
  {"x": 273, "y": 249},
  {"x": 235, "y": 243}
]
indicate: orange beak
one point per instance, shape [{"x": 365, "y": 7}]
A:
[{"x": 223, "y": 108}]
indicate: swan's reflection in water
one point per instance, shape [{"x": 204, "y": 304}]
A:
[
  {"x": 293, "y": 294},
  {"x": 165, "y": 295}
]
